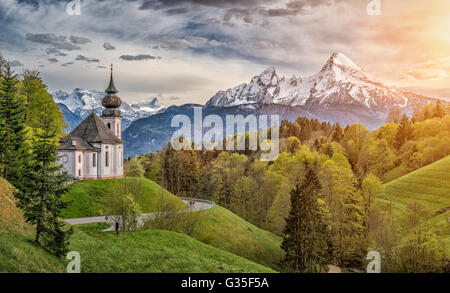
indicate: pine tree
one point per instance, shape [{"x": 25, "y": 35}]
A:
[
  {"x": 13, "y": 147},
  {"x": 438, "y": 111},
  {"x": 404, "y": 132},
  {"x": 306, "y": 234},
  {"x": 45, "y": 183},
  {"x": 338, "y": 134}
]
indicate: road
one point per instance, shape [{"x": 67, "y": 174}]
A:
[{"x": 193, "y": 205}]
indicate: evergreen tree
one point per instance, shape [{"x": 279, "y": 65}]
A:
[
  {"x": 404, "y": 132},
  {"x": 438, "y": 111},
  {"x": 338, "y": 134},
  {"x": 13, "y": 149},
  {"x": 44, "y": 184},
  {"x": 306, "y": 234}
]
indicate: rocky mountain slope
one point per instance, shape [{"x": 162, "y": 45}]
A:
[{"x": 79, "y": 102}]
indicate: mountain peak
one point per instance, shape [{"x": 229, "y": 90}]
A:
[{"x": 340, "y": 60}]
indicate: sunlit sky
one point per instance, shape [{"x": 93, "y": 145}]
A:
[{"x": 184, "y": 51}]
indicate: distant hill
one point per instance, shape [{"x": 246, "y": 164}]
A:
[{"x": 428, "y": 186}]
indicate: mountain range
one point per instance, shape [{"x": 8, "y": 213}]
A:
[
  {"x": 78, "y": 104},
  {"x": 340, "y": 92}
]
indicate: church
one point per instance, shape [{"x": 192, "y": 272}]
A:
[{"x": 94, "y": 149}]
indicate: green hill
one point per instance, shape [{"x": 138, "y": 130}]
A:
[
  {"x": 17, "y": 250},
  {"x": 89, "y": 197},
  {"x": 428, "y": 186},
  {"x": 153, "y": 251},
  {"x": 144, "y": 251},
  {"x": 229, "y": 232}
]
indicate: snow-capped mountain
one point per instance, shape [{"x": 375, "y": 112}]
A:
[
  {"x": 339, "y": 82},
  {"x": 340, "y": 92},
  {"x": 80, "y": 103}
]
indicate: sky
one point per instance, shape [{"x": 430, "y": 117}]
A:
[{"x": 184, "y": 51}]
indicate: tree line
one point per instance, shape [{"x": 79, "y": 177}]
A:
[{"x": 30, "y": 127}]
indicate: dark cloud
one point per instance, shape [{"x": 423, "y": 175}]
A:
[
  {"x": 54, "y": 51},
  {"x": 108, "y": 47},
  {"x": 86, "y": 59},
  {"x": 161, "y": 4},
  {"x": 67, "y": 64},
  {"x": 58, "y": 42},
  {"x": 15, "y": 63},
  {"x": 79, "y": 40},
  {"x": 178, "y": 10},
  {"x": 52, "y": 60},
  {"x": 138, "y": 57}
]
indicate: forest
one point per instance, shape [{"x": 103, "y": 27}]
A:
[{"x": 321, "y": 193}]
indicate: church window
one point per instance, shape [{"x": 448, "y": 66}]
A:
[
  {"x": 94, "y": 160},
  {"x": 79, "y": 158},
  {"x": 117, "y": 129},
  {"x": 106, "y": 159},
  {"x": 109, "y": 125},
  {"x": 79, "y": 172}
]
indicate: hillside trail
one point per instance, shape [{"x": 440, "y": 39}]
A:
[{"x": 193, "y": 205}]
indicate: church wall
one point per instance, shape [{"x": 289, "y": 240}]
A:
[{"x": 66, "y": 158}]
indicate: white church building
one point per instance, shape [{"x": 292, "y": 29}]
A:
[{"x": 94, "y": 149}]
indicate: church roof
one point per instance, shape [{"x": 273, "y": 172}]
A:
[
  {"x": 80, "y": 144},
  {"x": 93, "y": 130}
]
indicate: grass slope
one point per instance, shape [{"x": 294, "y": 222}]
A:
[
  {"x": 17, "y": 250},
  {"x": 144, "y": 251},
  {"x": 229, "y": 232},
  {"x": 153, "y": 251},
  {"x": 428, "y": 186},
  {"x": 89, "y": 197}
]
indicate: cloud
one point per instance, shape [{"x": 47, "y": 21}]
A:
[
  {"x": 67, "y": 64},
  {"x": 52, "y": 60},
  {"x": 15, "y": 63},
  {"x": 54, "y": 51},
  {"x": 138, "y": 57},
  {"x": 108, "y": 47},
  {"x": 79, "y": 40},
  {"x": 58, "y": 42},
  {"x": 86, "y": 59}
]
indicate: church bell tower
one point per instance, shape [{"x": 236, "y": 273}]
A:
[{"x": 111, "y": 114}]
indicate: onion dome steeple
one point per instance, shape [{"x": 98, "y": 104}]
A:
[{"x": 111, "y": 101}]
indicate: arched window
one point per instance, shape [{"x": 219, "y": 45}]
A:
[
  {"x": 94, "y": 160},
  {"x": 117, "y": 129},
  {"x": 79, "y": 158},
  {"x": 79, "y": 172},
  {"x": 109, "y": 125}
]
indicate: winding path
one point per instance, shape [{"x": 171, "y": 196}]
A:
[{"x": 194, "y": 204}]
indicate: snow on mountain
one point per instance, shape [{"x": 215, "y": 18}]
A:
[
  {"x": 339, "y": 82},
  {"x": 80, "y": 103}
]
